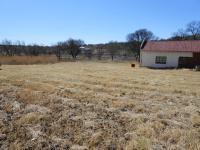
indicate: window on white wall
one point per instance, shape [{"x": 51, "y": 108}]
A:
[{"x": 161, "y": 59}]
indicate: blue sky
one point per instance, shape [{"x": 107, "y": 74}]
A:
[{"x": 94, "y": 21}]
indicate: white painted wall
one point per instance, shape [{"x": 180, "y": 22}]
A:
[{"x": 147, "y": 59}]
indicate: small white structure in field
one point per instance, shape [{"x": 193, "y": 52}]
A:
[{"x": 170, "y": 54}]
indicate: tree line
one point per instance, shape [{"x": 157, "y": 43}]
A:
[
  {"x": 75, "y": 47},
  {"x": 9, "y": 48},
  {"x": 190, "y": 32},
  {"x": 70, "y": 47}
]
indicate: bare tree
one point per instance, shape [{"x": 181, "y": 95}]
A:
[
  {"x": 193, "y": 28},
  {"x": 192, "y": 32},
  {"x": 100, "y": 51},
  {"x": 19, "y": 47},
  {"x": 35, "y": 50},
  {"x": 22, "y": 47},
  {"x": 113, "y": 48},
  {"x": 135, "y": 39},
  {"x": 7, "y": 47},
  {"x": 140, "y": 35},
  {"x": 181, "y": 34},
  {"x": 60, "y": 48},
  {"x": 73, "y": 47}
]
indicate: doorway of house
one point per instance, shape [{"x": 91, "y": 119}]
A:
[
  {"x": 185, "y": 62},
  {"x": 196, "y": 59}
]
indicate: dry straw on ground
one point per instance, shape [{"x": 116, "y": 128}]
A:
[
  {"x": 27, "y": 60},
  {"x": 92, "y": 105}
]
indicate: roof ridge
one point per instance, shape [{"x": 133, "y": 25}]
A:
[
  {"x": 173, "y": 46},
  {"x": 176, "y": 41}
]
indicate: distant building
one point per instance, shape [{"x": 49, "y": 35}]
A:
[
  {"x": 170, "y": 54},
  {"x": 84, "y": 49}
]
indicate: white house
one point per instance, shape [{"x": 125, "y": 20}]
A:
[{"x": 170, "y": 54}]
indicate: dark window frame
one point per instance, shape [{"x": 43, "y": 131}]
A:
[{"x": 161, "y": 60}]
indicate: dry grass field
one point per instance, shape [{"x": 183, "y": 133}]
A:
[
  {"x": 93, "y": 105},
  {"x": 27, "y": 60}
]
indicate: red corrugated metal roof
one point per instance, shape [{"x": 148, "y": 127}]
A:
[{"x": 173, "y": 46}]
